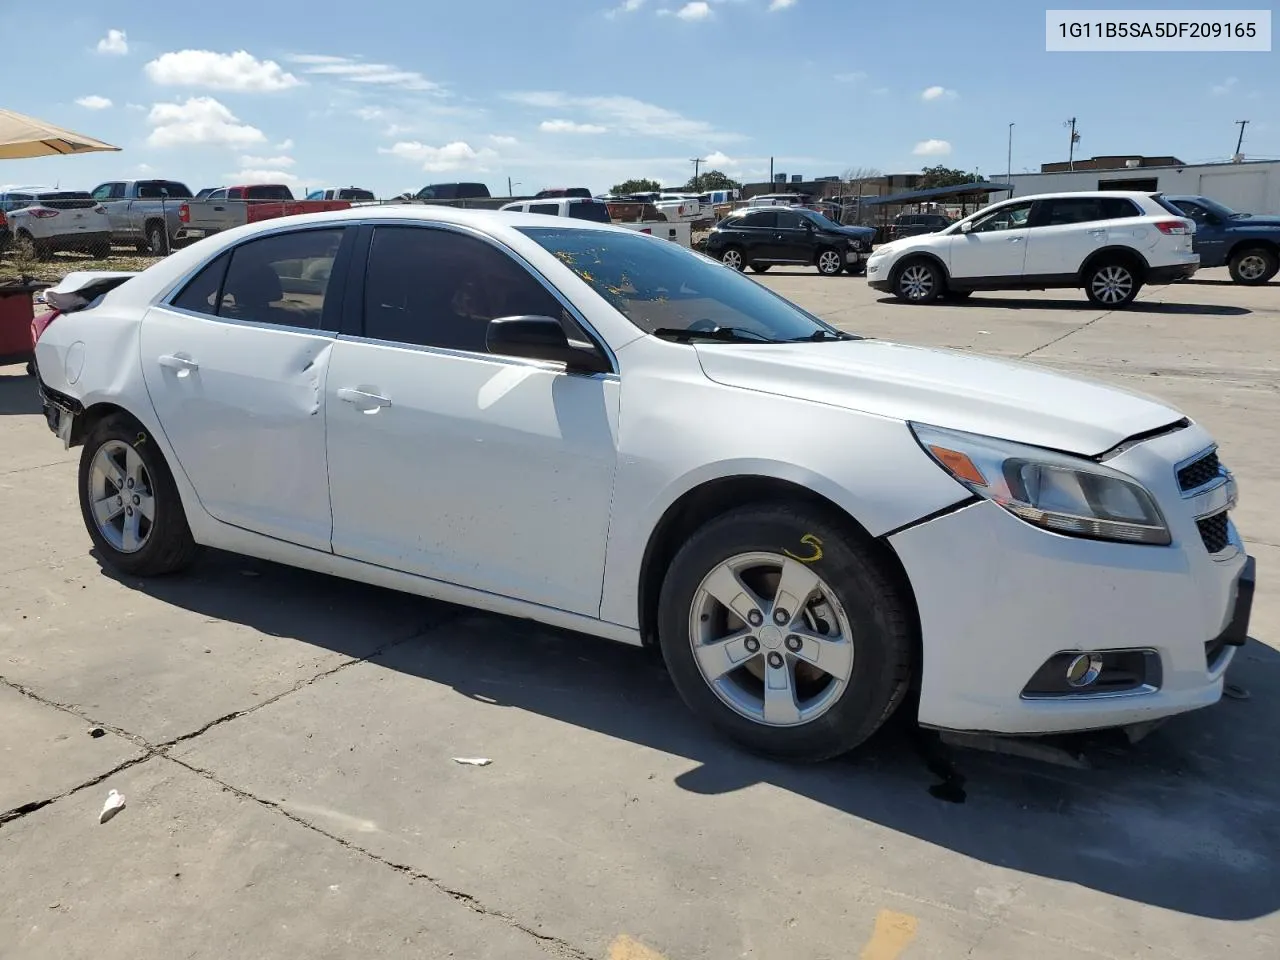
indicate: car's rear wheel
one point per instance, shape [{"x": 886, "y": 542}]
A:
[
  {"x": 157, "y": 240},
  {"x": 129, "y": 501},
  {"x": 733, "y": 257},
  {"x": 761, "y": 267},
  {"x": 100, "y": 251},
  {"x": 784, "y": 630},
  {"x": 1254, "y": 266},
  {"x": 829, "y": 262},
  {"x": 1111, "y": 283},
  {"x": 27, "y": 247},
  {"x": 918, "y": 281}
]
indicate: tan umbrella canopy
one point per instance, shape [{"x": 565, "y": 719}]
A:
[{"x": 22, "y": 137}]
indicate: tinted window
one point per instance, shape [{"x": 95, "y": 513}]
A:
[
  {"x": 281, "y": 279},
  {"x": 1006, "y": 218},
  {"x": 789, "y": 221},
  {"x": 158, "y": 189},
  {"x": 1066, "y": 210},
  {"x": 759, "y": 218},
  {"x": 549, "y": 208},
  {"x": 67, "y": 200},
  {"x": 657, "y": 285},
  {"x": 353, "y": 193},
  {"x": 200, "y": 295},
  {"x": 269, "y": 191},
  {"x": 438, "y": 288},
  {"x": 589, "y": 210}
]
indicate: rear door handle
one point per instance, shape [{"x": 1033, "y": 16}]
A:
[
  {"x": 184, "y": 365},
  {"x": 362, "y": 398}
]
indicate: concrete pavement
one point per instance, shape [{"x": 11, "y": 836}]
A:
[{"x": 285, "y": 745}]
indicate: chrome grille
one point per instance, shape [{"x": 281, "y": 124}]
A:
[
  {"x": 1213, "y": 531},
  {"x": 1198, "y": 472}
]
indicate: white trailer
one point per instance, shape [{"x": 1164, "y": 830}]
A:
[{"x": 1249, "y": 187}]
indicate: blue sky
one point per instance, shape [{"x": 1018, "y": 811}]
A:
[{"x": 394, "y": 95}]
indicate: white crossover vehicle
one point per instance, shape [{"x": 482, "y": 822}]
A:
[
  {"x": 1110, "y": 243},
  {"x": 45, "y": 220},
  {"x": 588, "y": 427}
]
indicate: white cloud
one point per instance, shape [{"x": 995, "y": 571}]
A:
[
  {"x": 239, "y": 71},
  {"x": 358, "y": 71},
  {"x": 569, "y": 126},
  {"x": 626, "y": 115},
  {"x": 627, "y": 6},
  {"x": 370, "y": 113},
  {"x": 1222, "y": 89},
  {"x": 93, "y": 102},
  {"x": 457, "y": 155},
  {"x": 938, "y": 93},
  {"x": 116, "y": 42},
  {"x": 285, "y": 145},
  {"x": 932, "y": 148},
  {"x": 247, "y": 176},
  {"x": 780, "y": 4},
  {"x": 281, "y": 161},
  {"x": 134, "y": 106},
  {"x": 200, "y": 120},
  {"x": 853, "y": 76},
  {"x": 502, "y": 140},
  {"x": 718, "y": 160},
  {"x": 697, "y": 10}
]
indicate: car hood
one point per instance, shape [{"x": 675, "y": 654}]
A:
[
  {"x": 1014, "y": 401},
  {"x": 1257, "y": 220},
  {"x": 858, "y": 233}
]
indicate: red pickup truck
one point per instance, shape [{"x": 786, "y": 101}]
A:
[{"x": 229, "y": 207}]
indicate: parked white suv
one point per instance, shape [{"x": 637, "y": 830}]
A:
[
  {"x": 43, "y": 220},
  {"x": 1110, "y": 243}
]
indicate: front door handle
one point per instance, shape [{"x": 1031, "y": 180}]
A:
[
  {"x": 370, "y": 402},
  {"x": 1015, "y": 239},
  {"x": 184, "y": 365}
]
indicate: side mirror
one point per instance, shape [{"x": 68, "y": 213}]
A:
[
  {"x": 542, "y": 338},
  {"x": 966, "y": 226}
]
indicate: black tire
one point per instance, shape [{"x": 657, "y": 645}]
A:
[
  {"x": 858, "y": 269},
  {"x": 734, "y": 257},
  {"x": 31, "y": 368},
  {"x": 761, "y": 267},
  {"x": 875, "y": 609},
  {"x": 169, "y": 546},
  {"x": 918, "y": 281},
  {"x": 157, "y": 239},
  {"x": 101, "y": 251},
  {"x": 829, "y": 261},
  {"x": 1112, "y": 284},
  {"x": 28, "y": 247},
  {"x": 1254, "y": 265}
]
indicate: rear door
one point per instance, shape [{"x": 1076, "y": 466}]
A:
[
  {"x": 1066, "y": 231},
  {"x": 236, "y": 365},
  {"x": 756, "y": 233}
]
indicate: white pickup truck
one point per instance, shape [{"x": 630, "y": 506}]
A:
[{"x": 598, "y": 211}]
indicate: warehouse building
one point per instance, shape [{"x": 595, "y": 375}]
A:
[{"x": 1249, "y": 187}]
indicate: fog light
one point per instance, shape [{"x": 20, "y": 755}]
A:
[{"x": 1084, "y": 670}]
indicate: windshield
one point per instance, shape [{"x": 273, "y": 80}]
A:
[
  {"x": 820, "y": 219},
  {"x": 662, "y": 288},
  {"x": 1225, "y": 212}
]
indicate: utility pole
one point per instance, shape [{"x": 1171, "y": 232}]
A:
[
  {"x": 1240, "y": 140},
  {"x": 1075, "y": 138},
  {"x": 771, "y": 169},
  {"x": 697, "y": 162},
  {"x": 1008, "y": 166}
]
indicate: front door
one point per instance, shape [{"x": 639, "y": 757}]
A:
[
  {"x": 994, "y": 248},
  {"x": 796, "y": 237},
  {"x": 236, "y": 367},
  {"x": 449, "y": 462}
]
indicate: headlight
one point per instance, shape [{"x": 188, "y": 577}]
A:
[
  {"x": 856, "y": 244},
  {"x": 1055, "y": 491}
]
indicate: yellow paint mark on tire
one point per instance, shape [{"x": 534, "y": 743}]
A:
[
  {"x": 628, "y": 948},
  {"x": 814, "y": 544},
  {"x": 893, "y": 934}
]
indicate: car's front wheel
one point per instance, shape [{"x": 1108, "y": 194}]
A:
[
  {"x": 157, "y": 240},
  {"x": 1111, "y": 284},
  {"x": 1253, "y": 266},
  {"x": 918, "y": 281},
  {"x": 761, "y": 267},
  {"x": 829, "y": 262},
  {"x": 129, "y": 501},
  {"x": 733, "y": 257},
  {"x": 783, "y": 629}
]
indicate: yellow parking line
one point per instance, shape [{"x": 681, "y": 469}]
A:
[
  {"x": 892, "y": 934},
  {"x": 628, "y": 948}
]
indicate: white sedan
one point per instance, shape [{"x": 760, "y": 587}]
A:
[{"x": 602, "y": 431}]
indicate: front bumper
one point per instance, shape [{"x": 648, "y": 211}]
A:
[
  {"x": 878, "y": 274},
  {"x": 998, "y": 597}
]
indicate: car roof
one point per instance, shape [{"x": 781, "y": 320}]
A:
[
  {"x": 1087, "y": 194},
  {"x": 432, "y": 213}
]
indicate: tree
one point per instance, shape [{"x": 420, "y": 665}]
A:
[
  {"x": 941, "y": 176},
  {"x": 642, "y": 185},
  {"x": 712, "y": 180},
  {"x": 858, "y": 174}
]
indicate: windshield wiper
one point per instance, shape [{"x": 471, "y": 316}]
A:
[
  {"x": 821, "y": 334},
  {"x": 723, "y": 334}
]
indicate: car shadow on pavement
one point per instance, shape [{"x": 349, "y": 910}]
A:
[
  {"x": 1185, "y": 819},
  {"x": 1138, "y": 306},
  {"x": 18, "y": 393}
]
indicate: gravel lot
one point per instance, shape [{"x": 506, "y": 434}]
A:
[{"x": 284, "y": 742}]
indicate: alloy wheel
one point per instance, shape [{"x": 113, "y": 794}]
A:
[
  {"x": 771, "y": 639},
  {"x": 829, "y": 262},
  {"x": 732, "y": 258},
  {"x": 916, "y": 282},
  {"x": 1112, "y": 284},
  {"x": 1252, "y": 267},
  {"x": 121, "y": 496}
]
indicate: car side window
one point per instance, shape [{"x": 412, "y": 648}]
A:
[
  {"x": 281, "y": 279},
  {"x": 1006, "y": 218},
  {"x": 549, "y": 208},
  {"x": 760, "y": 218},
  {"x": 790, "y": 221},
  {"x": 200, "y": 295},
  {"x": 1118, "y": 208},
  {"x": 102, "y": 193},
  {"x": 217, "y": 195},
  {"x": 440, "y": 288},
  {"x": 1068, "y": 210}
]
